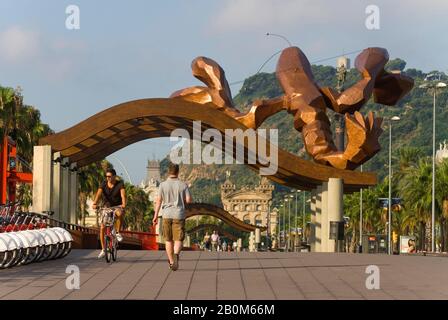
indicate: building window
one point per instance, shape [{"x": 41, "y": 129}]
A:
[
  {"x": 258, "y": 220},
  {"x": 259, "y": 207},
  {"x": 235, "y": 207},
  {"x": 247, "y": 207},
  {"x": 246, "y": 219}
]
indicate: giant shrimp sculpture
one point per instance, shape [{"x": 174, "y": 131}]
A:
[{"x": 308, "y": 103}]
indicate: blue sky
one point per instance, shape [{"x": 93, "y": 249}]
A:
[{"x": 127, "y": 50}]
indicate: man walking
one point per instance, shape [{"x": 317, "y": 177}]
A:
[
  {"x": 215, "y": 241},
  {"x": 171, "y": 200}
]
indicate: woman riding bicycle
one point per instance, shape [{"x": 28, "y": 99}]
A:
[{"x": 114, "y": 195}]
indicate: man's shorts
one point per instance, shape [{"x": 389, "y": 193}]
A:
[
  {"x": 105, "y": 219},
  {"x": 173, "y": 229}
]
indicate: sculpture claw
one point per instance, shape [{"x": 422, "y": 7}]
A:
[{"x": 362, "y": 142}]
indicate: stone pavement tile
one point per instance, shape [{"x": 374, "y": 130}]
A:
[
  {"x": 292, "y": 263},
  {"x": 120, "y": 287},
  {"x": 270, "y": 263},
  {"x": 151, "y": 283},
  {"x": 247, "y": 263},
  {"x": 50, "y": 273},
  {"x": 228, "y": 256},
  {"x": 428, "y": 294},
  {"x": 256, "y": 285},
  {"x": 58, "y": 289},
  {"x": 245, "y": 255},
  {"x": 320, "y": 296},
  {"x": 100, "y": 280},
  {"x": 203, "y": 285},
  {"x": 230, "y": 285},
  {"x": 222, "y": 275},
  {"x": 282, "y": 285},
  {"x": 207, "y": 265},
  {"x": 308, "y": 285},
  {"x": 356, "y": 278},
  {"x": 203, "y": 255},
  {"x": 47, "y": 282},
  {"x": 401, "y": 294},
  {"x": 7, "y": 288},
  {"x": 333, "y": 284},
  {"x": 24, "y": 293},
  {"x": 228, "y": 264},
  {"x": 177, "y": 284},
  {"x": 88, "y": 267}
]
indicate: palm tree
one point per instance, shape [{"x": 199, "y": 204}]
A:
[
  {"x": 139, "y": 210},
  {"x": 25, "y": 124},
  {"x": 7, "y": 107},
  {"x": 442, "y": 201},
  {"x": 374, "y": 217},
  {"x": 90, "y": 178},
  {"x": 415, "y": 188}
]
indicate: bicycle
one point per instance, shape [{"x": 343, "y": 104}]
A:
[{"x": 110, "y": 239}]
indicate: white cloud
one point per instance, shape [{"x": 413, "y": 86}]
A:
[
  {"x": 18, "y": 44},
  {"x": 54, "y": 58}
]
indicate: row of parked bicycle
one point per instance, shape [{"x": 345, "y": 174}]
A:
[{"x": 26, "y": 237}]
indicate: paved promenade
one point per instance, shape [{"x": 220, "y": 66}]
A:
[{"x": 207, "y": 275}]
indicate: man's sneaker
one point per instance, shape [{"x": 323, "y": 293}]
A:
[
  {"x": 101, "y": 255},
  {"x": 175, "y": 265},
  {"x": 119, "y": 237}
]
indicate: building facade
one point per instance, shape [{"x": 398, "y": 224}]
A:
[
  {"x": 250, "y": 204},
  {"x": 152, "y": 181}
]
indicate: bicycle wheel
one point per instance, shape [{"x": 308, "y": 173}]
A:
[
  {"x": 34, "y": 253},
  {"x": 19, "y": 255},
  {"x": 11, "y": 259},
  {"x": 25, "y": 256},
  {"x": 114, "y": 249},
  {"x": 68, "y": 248},
  {"x": 61, "y": 251},
  {"x": 107, "y": 252},
  {"x": 4, "y": 257},
  {"x": 45, "y": 253}
]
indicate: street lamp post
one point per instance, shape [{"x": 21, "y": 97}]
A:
[
  {"x": 289, "y": 224},
  {"x": 124, "y": 168},
  {"x": 268, "y": 227},
  {"x": 279, "y": 36},
  {"x": 434, "y": 85},
  {"x": 360, "y": 218},
  {"x": 280, "y": 226},
  {"x": 297, "y": 233},
  {"x": 289, "y": 221},
  {"x": 389, "y": 246},
  {"x": 304, "y": 215}
]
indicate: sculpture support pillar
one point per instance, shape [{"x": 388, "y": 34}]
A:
[
  {"x": 73, "y": 194},
  {"x": 42, "y": 178},
  {"x": 326, "y": 206},
  {"x": 64, "y": 197},
  {"x": 335, "y": 204},
  {"x": 56, "y": 189}
]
